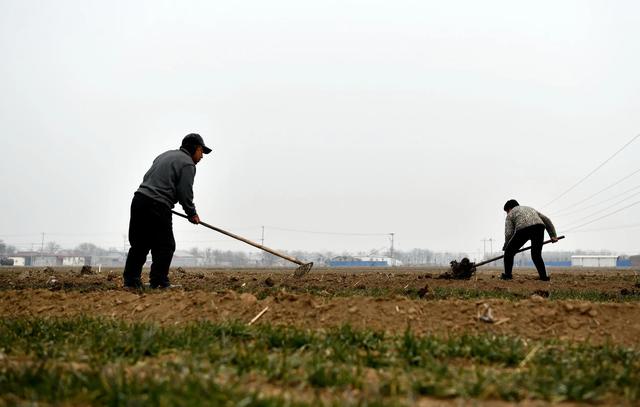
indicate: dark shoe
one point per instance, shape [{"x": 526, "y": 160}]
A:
[
  {"x": 545, "y": 278},
  {"x": 505, "y": 277},
  {"x": 166, "y": 287},
  {"x": 133, "y": 285}
]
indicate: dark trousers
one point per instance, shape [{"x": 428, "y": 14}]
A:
[
  {"x": 534, "y": 233},
  {"x": 150, "y": 229}
]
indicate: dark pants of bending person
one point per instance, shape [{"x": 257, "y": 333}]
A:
[
  {"x": 534, "y": 233},
  {"x": 150, "y": 229}
]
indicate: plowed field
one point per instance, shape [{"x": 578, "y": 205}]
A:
[{"x": 594, "y": 308}]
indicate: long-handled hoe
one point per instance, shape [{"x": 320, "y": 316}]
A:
[
  {"x": 300, "y": 271},
  {"x": 465, "y": 269}
]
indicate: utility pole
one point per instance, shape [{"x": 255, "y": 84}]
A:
[
  {"x": 391, "y": 251},
  {"x": 491, "y": 245},
  {"x": 484, "y": 247},
  {"x": 42, "y": 246}
]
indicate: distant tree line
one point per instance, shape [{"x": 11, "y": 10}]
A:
[
  {"x": 228, "y": 258},
  {"x": 6, "y": 250},
  {"x": 83, "y": 249}
]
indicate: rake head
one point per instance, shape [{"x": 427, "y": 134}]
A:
[{"x": 302, "y": 270}]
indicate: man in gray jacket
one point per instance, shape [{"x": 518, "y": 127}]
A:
[
  {"x": 168, "y": 181},
  {"x": 522, "y": 224}
]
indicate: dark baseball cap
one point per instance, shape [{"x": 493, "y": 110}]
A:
[{"x": 194, "y": 139}]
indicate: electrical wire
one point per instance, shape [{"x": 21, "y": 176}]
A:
[
  {"x": 604, "y": 189},
  {"x": 619, "y": 227},
  {"x": 592, "y": 172},
  {"x": 210, "y": 240},
  {"x": 601, "y": 217},
  {"x": 325, "y": 233},
  {"x": 21, "y": 235},
  {"x": 604, "y": 209},
  {"x": 567, "y": 213}
]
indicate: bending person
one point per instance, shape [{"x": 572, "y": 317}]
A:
[{"x": 521, "y": 225}]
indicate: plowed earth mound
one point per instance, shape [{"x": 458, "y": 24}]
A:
[
  {"x": 380, "y": 300},
  {"x": 532, "y": 318},
  {"x": 262, "y": 282}
]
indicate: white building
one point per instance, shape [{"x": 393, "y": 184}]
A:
[
  {"x": 183, "y": 258},
  {"x": 364, "y": 261},
  {"x": 17, "y": 261},
  {"x": 73, "y": 260},
  {"x": 596, "y": 260}
]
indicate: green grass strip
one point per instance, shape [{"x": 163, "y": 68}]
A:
[{"x": 111, "y": 362}]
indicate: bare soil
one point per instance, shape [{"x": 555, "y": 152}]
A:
[
  {"x": 332, "y": 281},
  {"x": 379, "y": 299}
]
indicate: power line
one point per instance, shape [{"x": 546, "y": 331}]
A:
[
  {"x": 602, "y": 217},
  {"x": 326, "y": 233},
  {"x": 604, "y": 209},
  {"x": 21, "y": 235},
  {"x": 605, "y": 189},
  {"x": 592, "y": 172},
  {"x": 567, "y": 213},
  {"x": 619, "y": 227}
]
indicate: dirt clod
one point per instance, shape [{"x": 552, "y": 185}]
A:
[
  {"x": 460, "y": 271},
  {"x": 269, "y": 282},
  {"x": 542, "y": 293},
  {"x": 25, "y": 275},
  {"x": 54, "y": 284},
  {"x": 584, "y": 308},
  {"x": 248, "y": 298},
  {"x": 86, "y": 271},
  {"x": 485, "y": 313},
  {"x": 424, "y": 291}
]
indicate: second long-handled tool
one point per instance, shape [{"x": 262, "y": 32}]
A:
[
  {"x": 465, "y": 268},
  {"x": 300, "y": 271}
]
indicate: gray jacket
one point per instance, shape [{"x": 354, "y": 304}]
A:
[
  {"x": 521, "y": 217},
  {"x": 170, "y": 180}
]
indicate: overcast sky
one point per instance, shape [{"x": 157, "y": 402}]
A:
[{"x": 414, "y": 117}]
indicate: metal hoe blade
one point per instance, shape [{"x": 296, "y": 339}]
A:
[{"x": 302, "y": 270}]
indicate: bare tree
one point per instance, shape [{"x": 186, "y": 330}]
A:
[
  {"x": 52, "y": 247},
  {"x": 89, "y": 249},
  {"x": 6, "y": 249}
]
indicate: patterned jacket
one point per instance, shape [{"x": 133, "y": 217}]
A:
[{"x": 521, "y": 217}]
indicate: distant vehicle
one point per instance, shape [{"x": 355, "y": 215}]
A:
[{"x": 5, "y": 261}]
